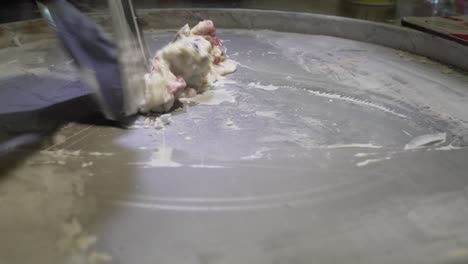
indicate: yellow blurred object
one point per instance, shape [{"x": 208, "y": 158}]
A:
[
  {"x": 373, "y": 2},
  {"x": 459, "y": 253}
]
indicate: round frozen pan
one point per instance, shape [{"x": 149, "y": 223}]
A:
[{"x": 336, "y": 141}]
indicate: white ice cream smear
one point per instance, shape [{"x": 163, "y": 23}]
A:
[
  {"x": 160, "y": 159},
  {"x": 354, "y": 145},
  {"x": 212, "y": 97},
  {"x": 371, "y": 161},
  {"x": 425, "y": 140},
  {"x": 356, "y": 101},
  {"x": 269, "y": 87}
]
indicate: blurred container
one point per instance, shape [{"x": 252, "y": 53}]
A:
[
  {"x": 374, "y": 2},
  {"x": 432, "y": 8},
  {"x": 462, "y": 7},
  {"x": 378, "y": 10}
]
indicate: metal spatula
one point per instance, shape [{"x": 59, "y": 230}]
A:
[{"x": 113, "y": 70}]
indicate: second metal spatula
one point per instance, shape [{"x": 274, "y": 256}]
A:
[{"x": 113, "y": 70}]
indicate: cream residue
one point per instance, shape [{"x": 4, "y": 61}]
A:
[
  {"x": 371, "y": 161},
  {"x": 361, "y": 155},
  {"x": 269, "y": 87},
  {"x": 160, "y": 158},
  {"x": 212, "y": 97},
  {"x": 259, "y": 154},
  {"x": 96, "y": 153},
  {"x": 449, "y": 147},
  {"x": 223, "y": 81},
  {"x": 354, "y": 145},
  {"x": 206, "y": 166},
  {"x": 425, "y": 140},
  {"x": 356, "y": 101}
]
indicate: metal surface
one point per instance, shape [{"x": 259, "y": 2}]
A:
[{"x": 305, "y": 158}]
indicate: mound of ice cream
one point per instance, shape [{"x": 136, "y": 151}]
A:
[{"x": 189, "y": 65}]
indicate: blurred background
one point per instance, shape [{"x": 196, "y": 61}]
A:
[{"x": 388, "y": 11}]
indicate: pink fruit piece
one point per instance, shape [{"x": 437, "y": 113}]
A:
[
  {"x": 206, "y": 27},
  {"x": 216, "y": 42},
  {"x": 177, "y": 85},
  {"x": 209, "y": 27}
]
